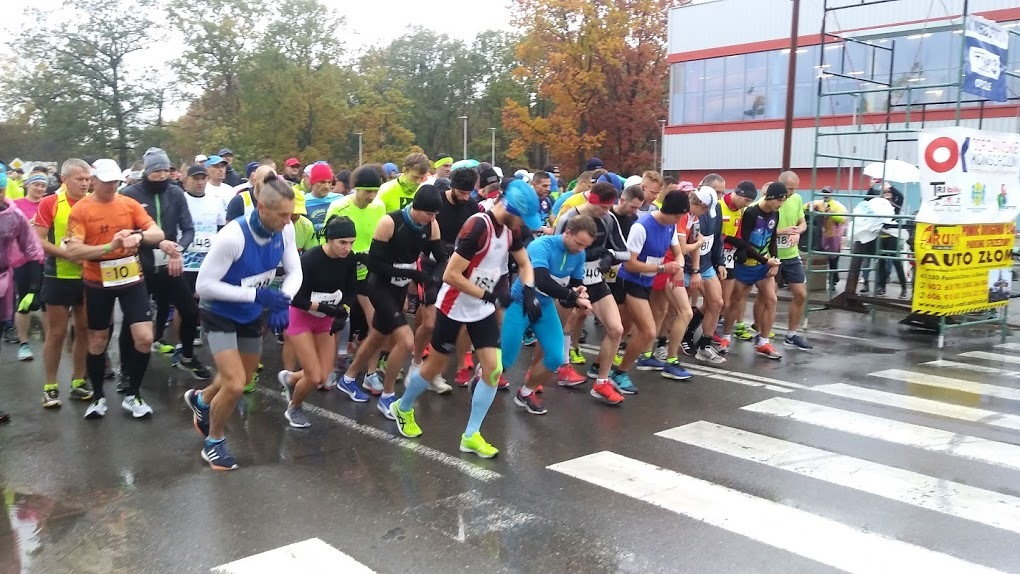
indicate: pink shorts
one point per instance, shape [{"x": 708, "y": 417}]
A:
[{"x": 305, "y": 322}]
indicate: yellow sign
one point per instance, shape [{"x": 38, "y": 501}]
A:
[{"x": 962, "y": 268}]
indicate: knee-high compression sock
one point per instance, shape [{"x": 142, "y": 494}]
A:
[
  {"x": 694, "y": 324},
  {"x": 416, "y": 385},
  {"x": 481, "y": 400},
  {"x": 95, "y": 366},
  {"x": 140, "y": 363}
]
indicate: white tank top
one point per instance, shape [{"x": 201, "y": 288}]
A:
[{"x": 484, "y": 270}]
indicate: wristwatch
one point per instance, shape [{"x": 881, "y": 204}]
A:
[
  {"x": 694, "y": 271},
  {"x": 662, "y": 268}
]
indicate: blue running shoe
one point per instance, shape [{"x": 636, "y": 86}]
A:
[
  {"x": 622, "y": 382},
  {"x": 674, "y": 370},
  {"x": 350, "y": 388},
  {"x": 218, "y": 457},
  {"x": 648, "y": 362},
  {"x": 529, "y": 338},
  {"x": 201, "y": 418},
  {"x": 384, "y": 406}
]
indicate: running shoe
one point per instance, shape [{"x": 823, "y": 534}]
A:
[
  {"x": 649, "y": 363},
  {"x": 566, "y": 376},
  {"x": 768, "y": 351},
  {"x": 722, "y": 345},
  {"x": 25, "y": 352},
  {"x": 197, "y": 342},
  {"x": 161, "y": 347},
  {"x": 201, "y": 415},
  {"x": 254, "y": 382},
  {"x": 584, "y": 332},
  {"x": 136, "y": 405},
  {"x": 708, "y": 354},
  {"x": 381, "y": 364},
  {"x": 476, "y": 444},
  {"x": 464, "y": 376},
  {"x": 593, "y": 370},
  {"x": 688, "y": 347},
  {"x": 373, "y": 383},
  {"x": 218, "y": 457},
  {"x": 740, "y": 331},
  {"x": 674, "y": 370},
  {"x": 531, "y": 403},
  {"x": 772, "y": 334},
  {"x": 96, "y": 409},
  {"x": 50, "y": 397},
  {"x": 330, "y": 383},
  {"x": 503, "y": 384},
  {"x": 122, "y": 383},
  {"x": 192, "y": 366},
  {"x": 439, "y": 385},
  {"x": 297, "y": 418},
  {"x": 385, "y": 404},
  {"x": 350, "y": 388},
  {"x": 110, "y": 374},
  {"x": 529, "y": 339},
  {"x": 81, "y": 390},
  {"x": 406, "y": 425},
  {"x": 618, "y": 359},
  {"x": 661, "y": 352},
  {"x": 622, "y": 382},
  {"x": 797, "y": 342},
  {"x": 4, "y": 417},
  {"x": 576, "y": 357},
  {"x": 606, "y": 392},
  {"x": 288, "y": 387},
  {"x": 11, "y": 336}
]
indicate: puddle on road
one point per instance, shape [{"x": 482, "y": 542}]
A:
[{"x": 28, "y": 524}]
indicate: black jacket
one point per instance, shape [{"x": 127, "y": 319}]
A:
[
  {"x": 232, "y": 179},
  {"x": 173, "y": 216}
]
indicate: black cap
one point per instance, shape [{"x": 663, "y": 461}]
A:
[
  {"x": 442, "y": 183},
  {"x": 427, "y": 198},
  {"x": 225, "y": 151},
  {"x": 197, "y": 169},
  {"x": 676, "y": 202},
  {"x": 746, "y": 189},
  {"x": 776, "y": 190},
  {"x": 487, "y": 176}
]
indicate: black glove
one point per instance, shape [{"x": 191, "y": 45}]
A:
[
  {"x": 532, "y": 308},
  {"x": 501, "y": 299},
  {"x": 606, "y": 262},
  {"x": 570, "y": 300},
  {"x": 338, "y": 324},
  {"x": 328, "y": 309}
]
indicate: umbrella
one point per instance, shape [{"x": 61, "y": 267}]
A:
[{"x": 893, "y": 170}]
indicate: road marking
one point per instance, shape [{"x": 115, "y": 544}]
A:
[
  {"x": 768, "y": 380},
  {"x": 1015, "y": 359},
  {"x": 793, "y": 530},
  {"x": 974, "y": 368},
  {"x": 463, "y": 466},
  {"x": 916, "y": 489},
  {"x": 901, "y": 433},
  {"x": 1008, "y": 346},
  {"x": 922, "y": 405},
  {"x": 949, "y": 383},
  {"x": 312, "y": 556}
]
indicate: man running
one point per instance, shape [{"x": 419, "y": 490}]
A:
[
  {"x": 107, "y": 230},
  {"x": 791, "y": 225},
  {"x": 234, "y": 285},
  {"x": 468, "y": 299},
  {"x": 731, "y": 208}
]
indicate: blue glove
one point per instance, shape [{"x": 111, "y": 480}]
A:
[
  {"x": 271, "y": 299},
  {"x": 278, "y": 320}
]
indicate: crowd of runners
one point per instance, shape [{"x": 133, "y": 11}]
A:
[{"x": 337, "y": 266}]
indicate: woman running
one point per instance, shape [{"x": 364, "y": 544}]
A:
[{"x": 318, "y": 312}]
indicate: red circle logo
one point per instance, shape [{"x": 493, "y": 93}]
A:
[{"x": 946, "y": 143}]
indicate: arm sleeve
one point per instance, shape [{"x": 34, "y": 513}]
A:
[
  {"x": 185, "y": 223},
  {"x": 291, "y": 263},
  {"x": 546, "y": 284},
  {"x": 434, "y": 246},
  {"x": 224, "y": 251},
  {"x": 616, "y": 243},
  {"x": 235, "y": 208},
  {"x": 378, "y": 264}
]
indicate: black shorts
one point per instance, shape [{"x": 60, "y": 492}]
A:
[
  {"x": 792, "y": 270},
  {"x": 358, "y": 322},
  {"x": 484, "y": 333},
  {"x": 134, "y": 304},
  {"x": 636, "y": 290},
  {"x": 619, "y": 293},
  {"x": 388, "y": 300},
  {"x": 192, "y": 279},
  {"x": 62, "y": 292},
  {"x": 598, "y": 291}
]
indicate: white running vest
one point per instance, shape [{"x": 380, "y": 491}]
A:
[{"x": 484, "y": 270}]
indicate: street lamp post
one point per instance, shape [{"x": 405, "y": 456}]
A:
[
  {"x": 465, "y": 136},
  {"x": 655, "y": 153},
  {"x": 360, "y": 162},
  {"x": 662, "y": 137},
  {"x": 492, "y": 131}
]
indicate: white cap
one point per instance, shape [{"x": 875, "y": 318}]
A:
[
  {"x": 200, "y": 158},
  {"x": 106, "y": 170},
  {"x": 521, "y": 174},
  {"x": 707, "y": 196},
  {"x": 498, "y": 170},
  {"x": 632, "y": 180}
]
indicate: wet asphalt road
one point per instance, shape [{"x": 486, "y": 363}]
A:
[{"x": 123, "y": 495}]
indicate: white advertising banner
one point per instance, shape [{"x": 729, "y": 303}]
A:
[{"x": 968, "y": 176}]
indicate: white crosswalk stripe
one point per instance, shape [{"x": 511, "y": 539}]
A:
[
  {"x": 943, "y": 363},
  {"x": 928, "y": 492},
  {"x": 985, "y": 355},
  {"x": 1008, "y": 346},
  {"x": 797, "y": 531},
  {"x": 312, "y": 556},
  {"x": 966, "y": 386}
]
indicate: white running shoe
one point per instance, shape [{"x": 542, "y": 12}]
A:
[
  {"x": 708, "y": 354},
  {"x": 136, "y": 406},
  {"x": 97, "y": 409},
  {"x": 439, "y": 385}
]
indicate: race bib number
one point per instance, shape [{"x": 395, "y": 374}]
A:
[
  {"x": 402, "y": 281},
  {"x": 728, "y": 254},
  {"x": 123, "y": 271},
  {"x": 592, "y": 275},
  {"x": 706, "y": 246},
  {"x": 610, "y": 276},
  {"x": 784, "y": 241},
  {"x": 260, "y": 281},
  {"x": 203, "y": 239},
  {"x": 333, "y": 298},
  {"x": 484, "y": 279}
]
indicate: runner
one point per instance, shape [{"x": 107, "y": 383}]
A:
[
  {"x": 399, "y": 239},
  {"x": 107, "y": 230},
  {"x": 321, "y": 195},
  {"x": 398, "y": 192},
  {"x": 703, "y": 270},
  {"x": 216, "y": 186},
  {"x": 791, "y": 225},
  {"x": 28, "y": 277},
  {"x": 731, "y": 207},
  {"x": 317, "y": 312},
  {"x": 651, "y": 237},
  {"x": 62, "y": 292},
  {"x": 608, "y": 250},
  {"x": 233, "y": 284},
  {"x": 756, "y": 239},
  {"x": 472, "y": 291}
]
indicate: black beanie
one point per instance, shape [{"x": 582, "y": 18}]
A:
[
  {"x": 746, "y": 189},
  {"x": 676, "y": 202},
  {"x": 367, "y": 178},
  {"x": 339, "y": 227},
  {"x": 427, "y": 198}
]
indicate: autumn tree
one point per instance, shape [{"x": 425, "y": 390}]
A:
[{"x": 600, "y": 73}]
